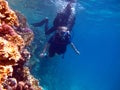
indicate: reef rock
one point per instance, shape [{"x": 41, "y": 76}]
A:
[
  {"x": 9, "y": 53},
  {"x": 8, "y": 33},
  {"x": 5, "y": 71},
  {"x": 15, "y": 35},
  {"x": 7, "y": 15},
  {"x": 23, "y": 29}
]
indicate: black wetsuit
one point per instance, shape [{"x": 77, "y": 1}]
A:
[
  {"x": 65, "y": 18},
  {"x": 62, "y": 19},
  {"x": 58, "y": 44}
]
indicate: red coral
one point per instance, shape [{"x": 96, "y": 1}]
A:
[{"x": 6, "y": 29}]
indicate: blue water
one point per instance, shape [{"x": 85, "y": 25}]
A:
[{"x": 96, "y": 34}]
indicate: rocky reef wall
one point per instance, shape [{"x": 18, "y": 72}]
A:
[{"x": 15, "y": 36}]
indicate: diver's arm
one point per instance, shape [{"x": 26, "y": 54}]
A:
[
  {"x": 73, "y": 46},
  {"x": 44, "y": 50},
  {"x": 46, "y": 47}
]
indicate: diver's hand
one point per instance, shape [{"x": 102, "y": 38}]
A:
[
  {"x": 78, "y": 52},
  {"x": 43, "y": 55}
]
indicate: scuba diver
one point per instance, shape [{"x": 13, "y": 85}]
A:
[
  {"x": 57, "y": 44},
  {"x": 63, "y": 18},
  {"x": 62, "y": 25}
]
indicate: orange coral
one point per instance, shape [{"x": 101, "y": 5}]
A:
[
  {"x": 9, "y": 53},
  {"x": 10, "y": 44},
  {"x": 5, "y": 71},
  {"x": 34, "y": 82},
  {"x": 13, "y": 54},
  {"x": 7, "y": 15},
  {"x": 8, "y": 33}
]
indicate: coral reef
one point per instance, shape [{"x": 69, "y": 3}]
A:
[
  {"x": 23, "y": 29},
  {"x": 9, "y": 53},
  {"x": 15, "y": 35},
  {"x": 8, "y": 33},
  {"x": 7, "y": 15}
]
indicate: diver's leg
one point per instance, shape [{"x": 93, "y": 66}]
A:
[
  {"x": 38, "y": 24},
  {"x": 52, "y": 29},
  {"x": 46, "y": 26}
]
